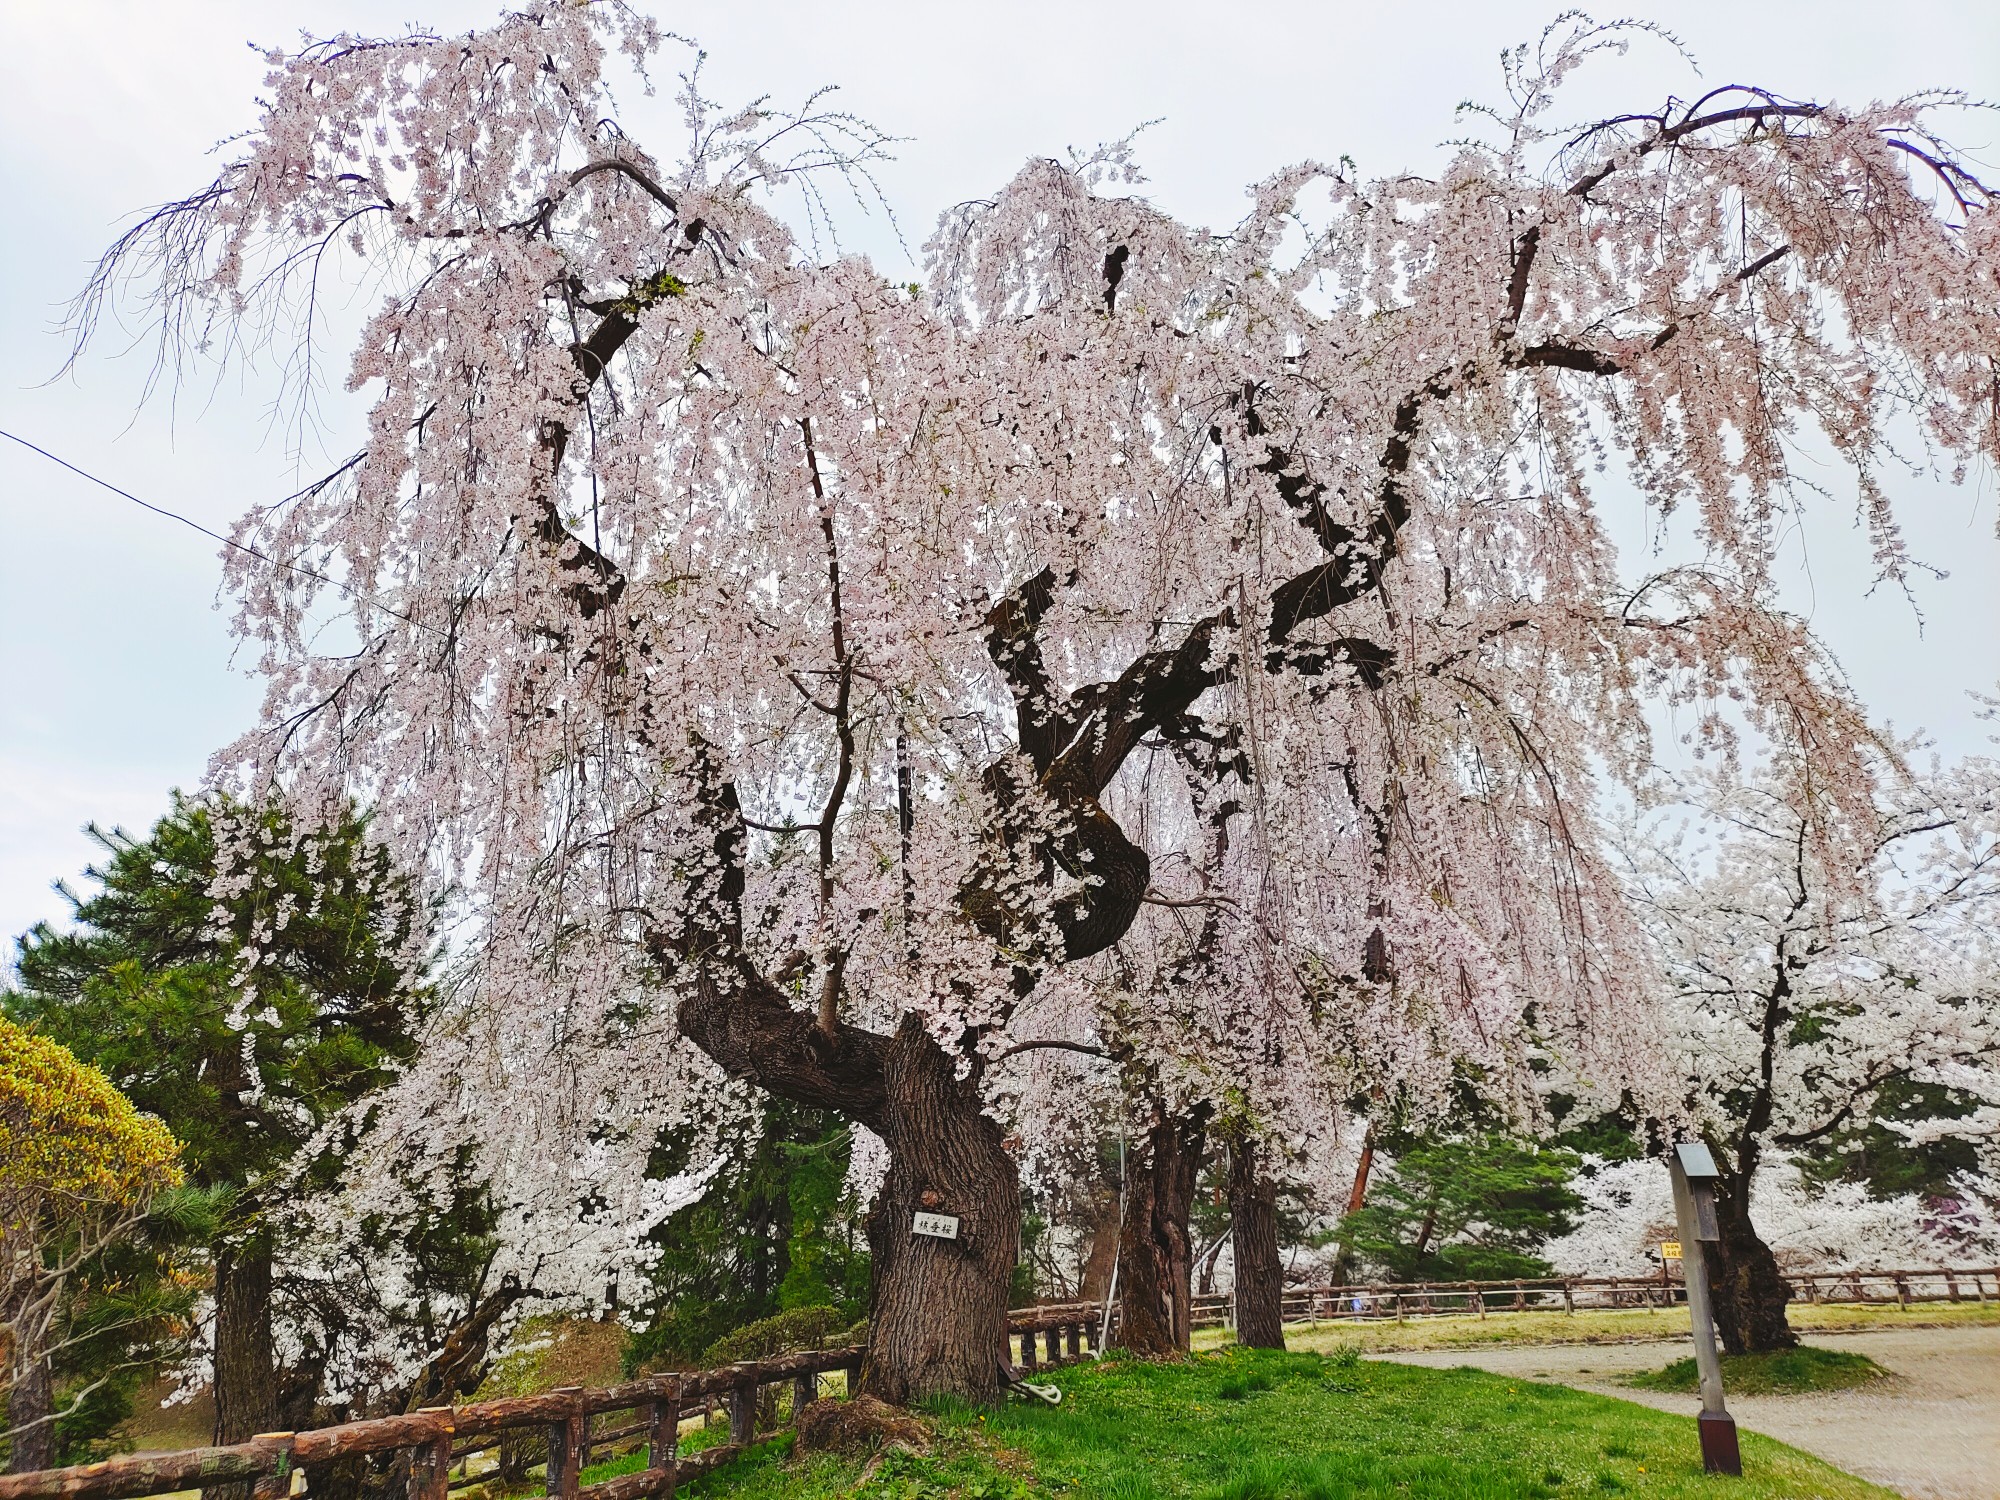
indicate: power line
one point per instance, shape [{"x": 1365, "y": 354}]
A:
[{"x": 172, "y": 515}]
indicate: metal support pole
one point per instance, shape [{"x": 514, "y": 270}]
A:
[{"x": 1694, "y": 1208}]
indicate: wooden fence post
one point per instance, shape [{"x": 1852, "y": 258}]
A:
[
  {"x": 278, "y": 1485},
  {"x": 1074, "y": 1334},
  {"x": 805, "y": 1391},
  {"x": 663, "y": 1436},
  {"x": 566, "y": 1447},
  {"x": 1028, "y": 1360},
  {"x": 1569, "y": 1296},
  {"x": 430, "y": 1467},
  {"x": 743, "y": 1412}
]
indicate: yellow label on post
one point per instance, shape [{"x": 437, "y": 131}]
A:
[{"x": 1670, "y": 1250}]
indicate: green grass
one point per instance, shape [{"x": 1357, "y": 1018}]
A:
[
  {"x": 1253, "y": 1425},
  {"x": 1788, "y": 1372},
  {"x": 1638, "y": 1325}
]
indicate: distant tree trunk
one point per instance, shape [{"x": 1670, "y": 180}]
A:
[
  {"x": 1260, "y": 1278},
  {"x": 246, "y": 1374},
  {"x": 937, "y": 1318},
  {"x": 1103, "y": 1249},
  {"x": 1204, "y": 1264},
  {"x": 1156, "y": 1252},
  {"x": 1357, "y": 1198},
  {"x": 30, "y": 1417},
  {"x": 1749, "y": 1293}
]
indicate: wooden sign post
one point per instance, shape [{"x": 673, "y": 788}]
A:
[{"x": 1694, "y": 1175}]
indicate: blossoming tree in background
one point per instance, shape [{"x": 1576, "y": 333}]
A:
[
  {"x": 1821, "y": 957},
  {"x": 754, "y": 650}
]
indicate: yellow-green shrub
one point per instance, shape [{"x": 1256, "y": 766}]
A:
[{"x": 70, "y": 1143}]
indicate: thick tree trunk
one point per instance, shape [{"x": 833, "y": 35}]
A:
[
  {"x": 246, "y": 1374},
  {"x": 1156, "y": 1252},
  {"x": 30, "y": 1418},
  {"x": 1749, "y": 1293},
  {"x": 937, "y": 1320},
  {"x": 1102, "y": 1254},
  {"x": 1260, "y": 1277}
]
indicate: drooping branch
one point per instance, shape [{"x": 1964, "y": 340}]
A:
[{"x": 843, "y": 728}]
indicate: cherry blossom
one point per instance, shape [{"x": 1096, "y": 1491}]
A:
[{"x": 757, "y": 654}]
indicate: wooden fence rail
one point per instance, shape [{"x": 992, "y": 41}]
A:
[
  {"x": 1065, "y": 1332},
  {"x": 567, "y": 1422},
  {"x": 1569, "y": 1294},
  {"x": 433, "y": 1437}
]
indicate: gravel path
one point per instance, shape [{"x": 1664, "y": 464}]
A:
[{"x": 1932, "y": 1431}]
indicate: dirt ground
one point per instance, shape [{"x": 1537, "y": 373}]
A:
[{"x": 1931, "y": 1431}]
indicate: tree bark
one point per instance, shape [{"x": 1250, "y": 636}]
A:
[
  {"x": 1357, "y": 1198},
  {"x": 937, "y": 1318},
  {"x": 1156, "y": 1252},
  {"x": 1103, "y": 1252},
  {"x": 1749, "y": 1293},
  {"x": 1260, "y": 1277},
  {"x": 246, "y": 1374},
  {"x": 30, "y": 1417}
]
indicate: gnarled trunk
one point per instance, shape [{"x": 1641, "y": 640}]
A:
[
  {"x": 1253, "y": 1221},
  {"x": 246, "y": 1375},
  {"x": 937, "y": 1318},
  {"x": 1749, "y": 1293},
  {"x": 938, "y": 1308},
  {"x": 31, "y": 1408},
  {"x": 1156, "y": 1253}
]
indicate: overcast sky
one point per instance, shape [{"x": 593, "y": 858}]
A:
[{"x": 116, "y": 680}]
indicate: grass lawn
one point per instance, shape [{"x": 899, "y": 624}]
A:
[
  {"x": 1252, "y": 1425},
  {"x": 1790, "y": 1372},
  {"x": 1638, "y": 1325}
]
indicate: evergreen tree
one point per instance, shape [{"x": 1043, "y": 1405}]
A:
[
  {"x": 776, "y": 1231},
  {"x": 245, "y": 1063},
  {"x": 1471, "y": 1209}
]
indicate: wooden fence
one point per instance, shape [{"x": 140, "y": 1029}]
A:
[
  {"x": 1065, "y": 1331},
  {"x": 1569, "y": 1294},
  {"x": 572, "y": 1423},
  {"x": 575, "y": 1423}
]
